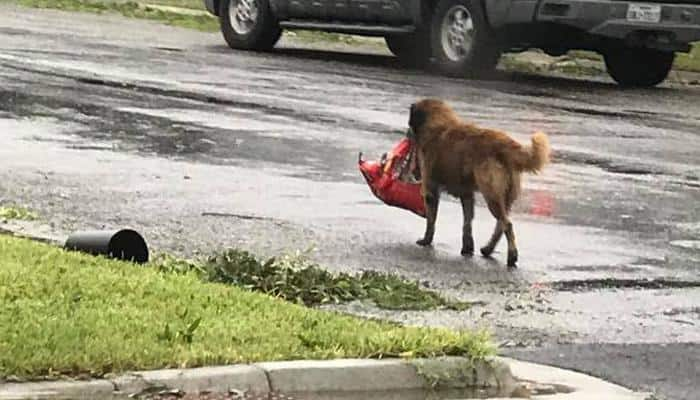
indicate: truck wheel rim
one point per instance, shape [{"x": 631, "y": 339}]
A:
[
  {"x": 243, "y": 15},
  {"x": 457, "y": 33}
]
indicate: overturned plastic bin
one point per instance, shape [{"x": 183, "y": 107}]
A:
[{"x": 123, "y": 244}]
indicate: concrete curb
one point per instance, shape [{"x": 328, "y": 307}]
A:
[
  {"x": 544, "y": 381},
  {"x": 506, "y": 376},
  {"x": 298, "y": 377},
  {"x": 214, "y": 379}
]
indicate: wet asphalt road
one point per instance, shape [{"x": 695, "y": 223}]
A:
[{"x": 112, "y": 122}]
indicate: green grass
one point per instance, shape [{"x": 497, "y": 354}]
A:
[
  {"x": 690, "y": 61},
  {"x": 585, "y": 55},
  {"x": 207, "y": 23},
  {"x": 330, "y": 37},
  {"x": 574, "y": 67},
  {"x": 67, "y": 313},
  {"x": 17, "y": 213},
  {"x": 143, "y": 10},
  {"x": 684, "y": 61},
  {"x": 511, "y": 62}
]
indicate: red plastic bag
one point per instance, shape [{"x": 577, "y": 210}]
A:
[{"x": 393, "y": 179}]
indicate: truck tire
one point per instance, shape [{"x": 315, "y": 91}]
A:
[
  {"x": 248, "y": 24},
  {"x": 638, "y": 67},
  {"x": 411, "y": 49},
  {"x": 463, "y": 43}
]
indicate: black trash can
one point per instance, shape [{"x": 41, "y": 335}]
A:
[{"x": 123, "y": 244}]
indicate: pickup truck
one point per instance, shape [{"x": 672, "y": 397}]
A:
[{"x": 638, "y": 40}]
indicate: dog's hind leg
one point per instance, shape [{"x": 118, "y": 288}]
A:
[
  {"x": 503, "y": 225},
  {"x": 512, "y": 193},
  {"x": 512, "y": 248},
  {"x": 468, "y": 214},
  {"x": 487, "y": 250},
  {"x": 494, "y": 182}
]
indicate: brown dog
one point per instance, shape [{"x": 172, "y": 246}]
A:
[{"x": 462, "y": 158}]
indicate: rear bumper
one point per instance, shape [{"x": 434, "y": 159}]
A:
[{"x": 679, "y": 25}]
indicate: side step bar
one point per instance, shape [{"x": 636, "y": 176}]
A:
[{"x": 369, "y": 30}]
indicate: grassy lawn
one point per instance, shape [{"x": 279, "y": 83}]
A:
[
  {"x": 144, "y": 10},
  {"x": 131, "y": 9},
  {"x": 65, "y": 313},
  {"x": 684, "y": 61},
  {"x": 690, "y": 61}
]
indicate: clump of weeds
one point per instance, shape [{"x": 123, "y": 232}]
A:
[
  {"x": 297, "y": 279},
  {"x": 17, "y": 213}
]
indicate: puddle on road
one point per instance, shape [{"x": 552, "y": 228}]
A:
[
  {"x": 687, "y": 244},
  {"x": 233, "y": 119}
]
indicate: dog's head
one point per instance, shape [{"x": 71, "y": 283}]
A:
[{"x": 426, "y": 115}]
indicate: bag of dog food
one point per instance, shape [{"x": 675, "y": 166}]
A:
[{"x": 395, "y": 179}]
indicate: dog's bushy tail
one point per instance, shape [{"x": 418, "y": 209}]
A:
[{"x": 533, "y": 158}]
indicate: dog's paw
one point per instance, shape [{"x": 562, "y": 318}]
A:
[
  {"x": 513, "y": 259},
  {"x": 424, "y": 242},
  {"x": 486, "y": 251},
  {"x": 467, "y": 246},
  {"x": 467, "y": 252}
]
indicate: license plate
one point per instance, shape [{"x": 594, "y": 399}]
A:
[{"x": 644, "y": 13}]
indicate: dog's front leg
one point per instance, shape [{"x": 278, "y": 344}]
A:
[{"x": 431, "y": 197}]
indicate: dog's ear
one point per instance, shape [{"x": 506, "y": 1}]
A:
[{"x": 417, "y": 118}]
